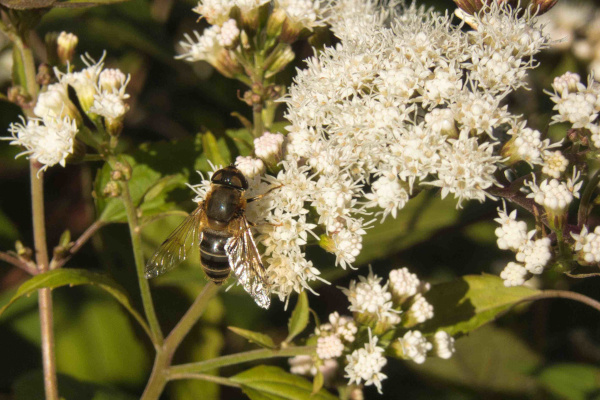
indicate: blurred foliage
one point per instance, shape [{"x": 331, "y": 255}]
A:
[{"x": 180, "y": 119}]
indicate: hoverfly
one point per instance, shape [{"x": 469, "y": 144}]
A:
[{"x": 220, "y": 228}]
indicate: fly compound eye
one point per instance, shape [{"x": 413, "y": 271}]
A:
[{"x": 217, "y": 176}]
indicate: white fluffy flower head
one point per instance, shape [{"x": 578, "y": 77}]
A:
[{"x": 365, "y": 364}]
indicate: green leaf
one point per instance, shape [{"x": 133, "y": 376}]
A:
[
  {"x": 242, "y": 139},
  {"x": 467, "y": 303},
  {"x": 158, "y": 169},
  {"x": 489, "y": 360},
  {"x": 318, "y": 382},
  {"x": 73, "y": 277},
  {"x": 571, "y": 381},
  {"x": 273, "y": 383},
  {"x": 213, "y": 151},
  {"x": 299, "y": 319},
  {"x": 255, "y": 337}
]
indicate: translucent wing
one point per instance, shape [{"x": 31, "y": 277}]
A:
[
  {"x": 175, "y": 248},
  {"x": 246, "y": 265}
]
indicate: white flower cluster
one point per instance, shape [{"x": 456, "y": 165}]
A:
[
  {"x": 532, "y": 254},
  {"x": 587, "y": 246},
  {"x": 214, "y": 43},
  {"x": 554, "y": 195},
  {"x": 50, "y": 138},
  {"x": 577, "y": 104},
  {"x": 378, "y": 307},
  {"x": 575, "y": 26}
]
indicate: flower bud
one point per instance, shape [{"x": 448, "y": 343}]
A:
[
  {"x": 112, "y": 189},
  {"x": 66, "y": 44},
  {"x": 23, "y": 252},
  {"x": 278, "y": 60},
  {"x": 44, "y": 75},
  {"x": 112, "y": 80},
  {"x": 275, "y": 23}
]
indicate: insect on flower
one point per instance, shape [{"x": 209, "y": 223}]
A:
[{"x": 220, "y": 228}]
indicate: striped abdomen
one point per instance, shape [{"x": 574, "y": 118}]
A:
[{"x": 213, "y": 256}]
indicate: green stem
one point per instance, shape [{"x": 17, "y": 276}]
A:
[
  {"x": 136, "y": 242},
  {"x": 584, "y": 205},
  {"x": 239, "y": 358},
  {"x": 190, "y": 318},
  {"x": 164, "y": 354},
  {"x": 211, "y": 378},
  {"x": 565, "y": 294},
  {"x": 45, "y": 295}
]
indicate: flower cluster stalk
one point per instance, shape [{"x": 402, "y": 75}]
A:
[
  {"x": 136, "y": 242},
  {"x": 45, "y": 295}
]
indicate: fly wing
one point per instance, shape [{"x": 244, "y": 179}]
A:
[
  {"x": 175, "y": 248},
  {"x": 244, "y": 260}
]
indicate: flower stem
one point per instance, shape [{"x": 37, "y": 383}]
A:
[
  {"x": 211, "y": 378},
  {"x": 28, "y": 267},
  {"x": 565, "y": 294},
  {"x": 190, "y": 318},
  {"x": 45, "y": 295},
  {"x": 239, "y": 358},
  {"x": 164, "y": 354},
  {"x": 136, "y": 242}
]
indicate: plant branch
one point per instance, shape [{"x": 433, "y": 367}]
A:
[
  {"x": 78, "y": 244},
  {"x": 205, "y": 377},
  {"x": 136, "y": 242},
  {"x": 565, "y": 294},
  {"x": 190, "y": 318},
  {"x": 28, "y": 267},
  {"x": 239, "y": 358},
  {"x": 581, "y": 276},
  {"x": 164, "y": 354},
  {"x": 45, "y": 295}
]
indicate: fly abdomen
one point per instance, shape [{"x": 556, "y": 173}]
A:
[{"x": 213, "y": 257}]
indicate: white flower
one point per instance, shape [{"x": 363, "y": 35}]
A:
[
  {"x": 577, "y": 108},
  {"x": 205, "y": 47},
  {"x": 85, "y": 82},
  {"x": 535, "y": 255},
  {"x": 113, "y": 80},
  {"x": 268, "y": 147},
  {"x": 588, "y": 245},
  {"x": 216, "y": 12},
  {"x": 443, "y": 345},
  {"x": 551, "y": 194},
  {"x": 389, "y": 194},
  {"x": 229, "y": 33},
  {"x": 512, "y": 234},
  {"x": 569, "y": 82},
  {"x": 403, "y": 284},
  {"x": 514, "y": 274},
  {"x": 109, "y": 105},
  {"x": 365, "y": 364},
  {"x": 52, "y": 102},
  {"x": 306, "y": 13},
  {"x": 415, "y": 346},
  {"x": 329, "y": 346},
  {"x": 420, "y": 309},
  {"x": 554, "y": 164},
  {"x": 343, "y": 326},
  {"x": 466, "y": 170},
  {"x": 371, "y": 300},
  {"x": 49, "y": 140},
  {"x": 250, "y": 166}
]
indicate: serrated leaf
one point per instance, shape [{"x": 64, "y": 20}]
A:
[
  {"x": 273, "y": 383},
  {"x": 467, "y": 303},
  {"x": 572, "y": 381},
  {"x": 299, "y": 319},
  {"x": 74, "y": 277},
  {"x": 255, "y": 337}
]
